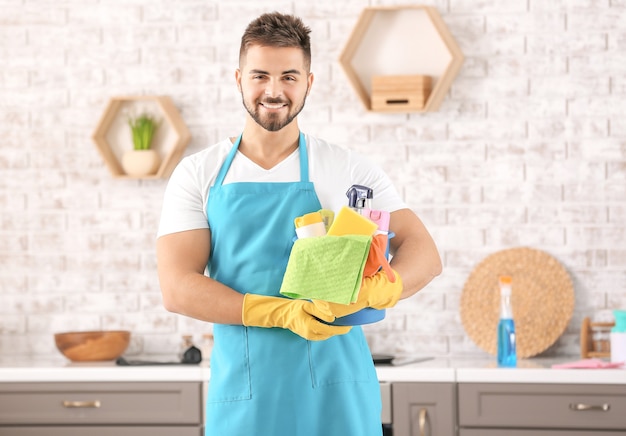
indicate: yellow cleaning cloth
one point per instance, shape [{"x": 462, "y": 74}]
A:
[{"x": 328, "y": 268}]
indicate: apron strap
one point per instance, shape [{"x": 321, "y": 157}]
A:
[
  {"x": 304, "y": 160},
  {"x": 229, "y": 160}
]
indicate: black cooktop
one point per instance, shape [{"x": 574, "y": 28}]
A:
[{"x": 382, "y": 359}]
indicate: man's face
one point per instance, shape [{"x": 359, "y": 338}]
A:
[{"x": 274, "y": 84}]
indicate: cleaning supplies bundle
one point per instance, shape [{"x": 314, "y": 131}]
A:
[{"x": 331, "y": 266}]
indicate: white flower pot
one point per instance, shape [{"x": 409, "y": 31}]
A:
[{"x": 141, "y": 162}]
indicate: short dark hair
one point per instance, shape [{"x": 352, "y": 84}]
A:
[{"x": 277, "y": 30}]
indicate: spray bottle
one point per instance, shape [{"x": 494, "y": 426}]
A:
[
  {"x": 507, "y": 354},
  {"x": 359, "y": 198}
]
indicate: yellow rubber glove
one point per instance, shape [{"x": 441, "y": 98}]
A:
[
  {"x": 300, "y": 316},
  {"x": 377, "y": 291}
]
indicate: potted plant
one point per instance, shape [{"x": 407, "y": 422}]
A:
[{"x": 141, "y": 160}]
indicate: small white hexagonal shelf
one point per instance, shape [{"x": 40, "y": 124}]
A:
[
  {"x": 112, "y": 135},
  {"x": 401, "y": 40}
]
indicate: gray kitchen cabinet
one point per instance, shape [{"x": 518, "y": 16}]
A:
[
  {"x": 105, "y": 409},
  {"x": 520, "y": 409},
  {"x": 424, "y": 409},
  {"x": 99, "y": 431},
  {"x": 536, "y": 432}
]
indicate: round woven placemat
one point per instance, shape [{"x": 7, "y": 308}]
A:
[{"x": 542, "y": 299}]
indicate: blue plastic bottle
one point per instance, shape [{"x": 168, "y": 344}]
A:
[{"x": 507, "y": 354}]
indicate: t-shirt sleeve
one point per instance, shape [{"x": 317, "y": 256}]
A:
[
  {"x": 366, "y": 173},
  {"x": 334, "y": 169},
  {"x": 183, "y": 202}
]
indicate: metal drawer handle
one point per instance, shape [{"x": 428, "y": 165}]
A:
[
  {"x": 81, "y": 404},
  {"x": 422, "y": 421},
  {"x": 581, "y": 407}
]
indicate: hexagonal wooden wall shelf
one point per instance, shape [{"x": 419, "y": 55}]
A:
[
  {"x": 401, "y": 41},
  {"x": 113, "y": 137}
]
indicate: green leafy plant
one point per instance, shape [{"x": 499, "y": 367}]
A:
[{"x": 143, "y": 128}]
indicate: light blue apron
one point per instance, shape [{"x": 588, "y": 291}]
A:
[{"x": 270, "y": 381}]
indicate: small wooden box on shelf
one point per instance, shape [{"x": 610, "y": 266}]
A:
[
  {"x": 595, "y": 339},
  {"x": 401, "y": 40},
  {"x": 400, "y": 93}
]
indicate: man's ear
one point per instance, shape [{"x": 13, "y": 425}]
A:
[
  {"x": 238, "y": 78},
  {"x": 309, "y": 83}
]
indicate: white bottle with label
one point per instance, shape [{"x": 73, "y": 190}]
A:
[
  {"x": 310, "y": 225},
  {"x": 206, "y": 347},
  {"x": 618, "y": 337}
]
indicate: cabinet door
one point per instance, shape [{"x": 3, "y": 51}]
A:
[
  {"x": 78, "y": 403},
  {"x": 534, "y": 432},
  {"x": 424, "y": 409},
  {"x": 557, "y": 406},
  {"x": 101, "y": 431}
]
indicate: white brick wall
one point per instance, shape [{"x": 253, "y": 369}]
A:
[{"x": 528, "y": 149}]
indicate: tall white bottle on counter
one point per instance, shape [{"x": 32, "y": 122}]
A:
[{"x": 618, "y": 337}]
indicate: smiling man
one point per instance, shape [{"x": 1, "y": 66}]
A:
[
  {"x": 269, "y": 95},
  {"x": 278, "y": 367}
]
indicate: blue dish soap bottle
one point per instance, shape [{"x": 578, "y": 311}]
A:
[{"x": 507, "y": 354}]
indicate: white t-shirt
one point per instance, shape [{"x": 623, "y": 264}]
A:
[{"x": 332, "y": 170}]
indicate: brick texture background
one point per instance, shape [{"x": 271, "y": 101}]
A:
[{"x": 528, "y": 149}]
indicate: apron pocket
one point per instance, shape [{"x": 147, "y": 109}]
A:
[
  {"x": 230, "y": 365},
  {"x": 341, "y": 359}
]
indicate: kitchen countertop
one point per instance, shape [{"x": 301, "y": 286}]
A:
[
  {"x": 62, "y": 370},
  {"x": 467, "y": 370},
  {"x": 434, "y": 370}
]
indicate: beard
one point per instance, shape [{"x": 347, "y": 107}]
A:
[{"x": 273, "y": 122}]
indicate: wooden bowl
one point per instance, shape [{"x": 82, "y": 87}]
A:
[{"x": 92, "y": 346}]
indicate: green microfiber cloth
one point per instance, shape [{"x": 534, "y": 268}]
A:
[{"x": 328, "y": 268}]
